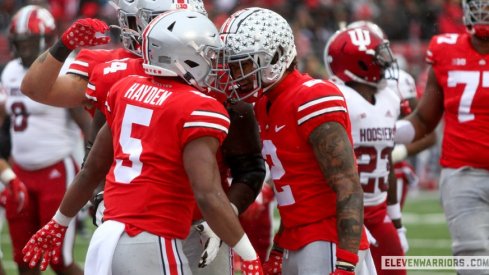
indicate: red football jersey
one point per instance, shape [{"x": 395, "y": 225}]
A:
[
  {"x": 463, "y": 73},
  {"x": 306, "y": 203},
  {"x": 151, "y": 122},
  {"x": 106, "y": 74},
  {"x": 87, "y": 59}
]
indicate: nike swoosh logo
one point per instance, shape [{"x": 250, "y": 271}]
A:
[{"x": 278, "y": 128}]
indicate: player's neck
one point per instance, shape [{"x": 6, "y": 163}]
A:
[
  {"x": 366, "y": 91},
  {"x": 480, "y": 45}
]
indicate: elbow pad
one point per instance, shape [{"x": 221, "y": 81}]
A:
[{"x": 248, "y": 169}]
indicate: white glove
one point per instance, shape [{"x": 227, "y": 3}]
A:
[
  {"x": 399, "y": 153},
  {"x": 211, "y": 242},
  {"x": 99, "y": 213},
  {"x": 401, "y": 232}
]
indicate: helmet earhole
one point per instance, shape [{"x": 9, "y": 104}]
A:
[{"x": 362, "y": 65}]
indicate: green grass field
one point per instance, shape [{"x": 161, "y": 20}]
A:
[{"x": 423, "y": 217}]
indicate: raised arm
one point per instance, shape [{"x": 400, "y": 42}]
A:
[{"x": 42, "y": 83}]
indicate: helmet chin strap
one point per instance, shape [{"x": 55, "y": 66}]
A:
[{"x": 355, "y": 78}]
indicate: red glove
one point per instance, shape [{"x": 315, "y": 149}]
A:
[
  {"x": 274, "y": 264},
  {"x": 18, "y": 194},
  {"x": 84, "y": 33},
  {"x": 252, "y": 267},
  {"x": 45, "y": 244}
]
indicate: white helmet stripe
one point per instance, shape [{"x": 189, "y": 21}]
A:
[{"x": 23, "y": 20}]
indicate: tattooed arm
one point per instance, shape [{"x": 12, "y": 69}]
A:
[
  {"x": 334, "y": 153},
  {"x": 43, "y": 83}
]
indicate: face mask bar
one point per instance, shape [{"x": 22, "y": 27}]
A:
[
  {"x": 476, "y": 12},
  {"x": 130, "y": 37},
  {"x": 218, "y": 79},
  {"x": 385, "y": 59},
  {"x": 240, "y": 65}
]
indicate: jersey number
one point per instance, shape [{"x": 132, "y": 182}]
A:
[
  {"x": 128, "y": 168},
  {"x": 114, "y": 67},
  {"x": 284, "y": 196},
  {"x": 19, "y": 120},
  {"x": 472, "y": 80},
  {"x": 370, "y": 154}
]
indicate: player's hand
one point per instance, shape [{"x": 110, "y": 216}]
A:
[
  {"x": 97, "y": 208},
  {"x": 252, "y": 267},
  {"x": 211, "y": 241},
  {"x": 399, "y": 153},
  {"x": 403, "y": 239},
  {"x": 85, "y": 32},
  {"x": 17, "y": 194},
  {"x": 45, "y": 245},
  {"x": 274, "y": 264}
]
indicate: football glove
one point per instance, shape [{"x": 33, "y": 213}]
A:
[
  {"x": 274, "y": 264},
  {"x": 85, "y": 32},
  {"x": 403, "y": 239},
  {"x": 399, "y": 153},
  {"x": 211, "y": 241},
  {"x": 97, "y": 209},
  {"x": 17, "y": 194},
  {"x": 252, "y": 267},
  {"x": 45, "y": 245}
]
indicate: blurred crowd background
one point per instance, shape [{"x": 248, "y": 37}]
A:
[{"x": 408, "y": 24}]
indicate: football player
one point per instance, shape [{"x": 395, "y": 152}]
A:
[
  {"x": 306, "y": 137},
  {"x": 239, "y": 157},
  {"x": 164, "y": 135},
  {"x": 405, "y": 85},
  {"x": 457, "y": 91},
  {"x": 359, "y": 61},
  {"x": 13, "y": 190},
  {"x": 42, "y": 159}
]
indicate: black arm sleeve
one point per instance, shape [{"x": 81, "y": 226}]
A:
[{"x": 242, "y": 147}]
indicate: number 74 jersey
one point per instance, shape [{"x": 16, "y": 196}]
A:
[
  {"x": 463, "y": 75},
  {"x": 372, "y": 129}
]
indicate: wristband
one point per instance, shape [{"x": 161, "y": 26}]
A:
[
  {"x": 7, "y": 175},
  {"x": 59, "y": 51},
  {"x": 394, "y": 211},
  {"x": 343, "y": 255},
  {"x": 345, "y": 266},
  {"x": 62, "y": 219},
  {"x": 405, "y": 132},
  {"x": 244, "y": 249}
]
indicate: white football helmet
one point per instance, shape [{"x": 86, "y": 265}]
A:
[
  {"x": 184, "y": 43},
  {"x": 264, "y": 38},
  {"x": 149, "y": 9}
]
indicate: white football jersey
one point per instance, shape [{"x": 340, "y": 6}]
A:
[
  {"x": 405, "y": 86},
  {"x": 372, "y": 128},
  {"x": 41, "y": 134}
]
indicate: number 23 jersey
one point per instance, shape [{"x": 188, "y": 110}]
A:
[
  {"x": 372, "y": 128},
  {"x": 463, "y": 74}
]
